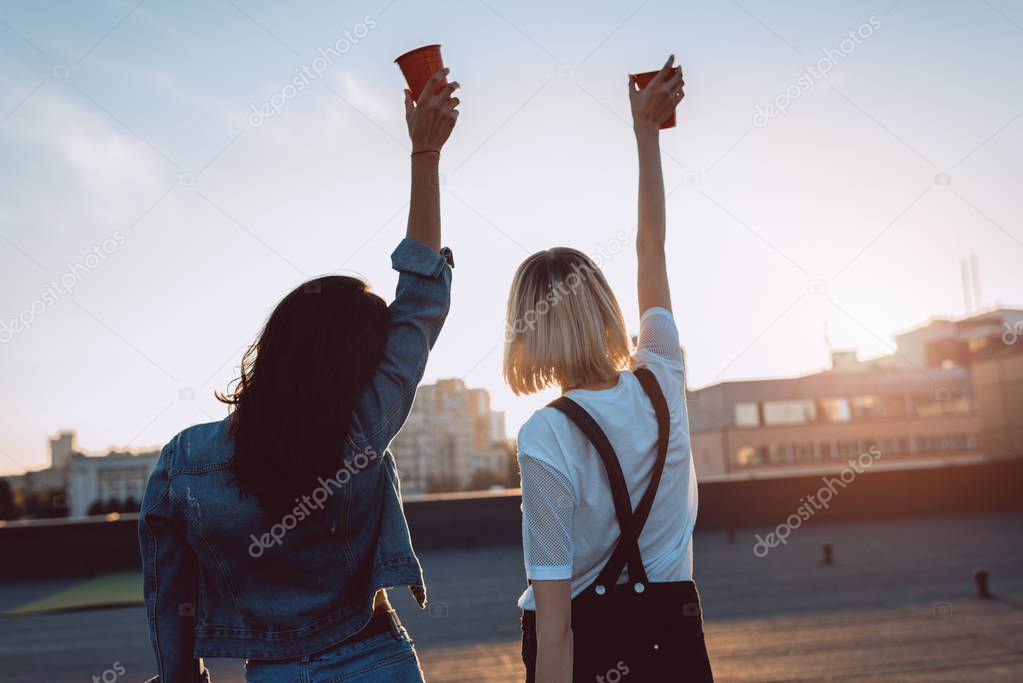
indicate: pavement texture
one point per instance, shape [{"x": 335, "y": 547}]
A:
[{"x": 898, "y": 604}]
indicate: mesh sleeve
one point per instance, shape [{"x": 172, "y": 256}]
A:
[
  {"x": 658, "y": 335},
  {"x": 547, "y": 508}
]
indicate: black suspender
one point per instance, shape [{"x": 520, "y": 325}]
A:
[{"x": 626, "y": 552}]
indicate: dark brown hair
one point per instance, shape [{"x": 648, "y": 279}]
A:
[{"x": 299, "y": 385}]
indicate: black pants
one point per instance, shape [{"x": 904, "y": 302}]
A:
[{"x": 655, "y": 637}]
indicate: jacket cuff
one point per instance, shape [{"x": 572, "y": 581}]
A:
[{"x": 412, "y": 256}]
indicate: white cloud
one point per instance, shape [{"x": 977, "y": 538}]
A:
[
  {"x": 368, "y": 101},
  {"x": 111, "y": 167}
]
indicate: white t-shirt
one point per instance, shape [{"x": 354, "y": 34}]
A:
[{"x": 569, "y": 527}]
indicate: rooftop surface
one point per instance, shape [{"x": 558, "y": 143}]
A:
[{"x": 898, "y": 605}]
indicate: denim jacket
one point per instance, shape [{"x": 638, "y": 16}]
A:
[{"x": 224, "y": 579}]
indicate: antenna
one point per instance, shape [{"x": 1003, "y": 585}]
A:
[
  {"x": 964, "y": 268},
  {"x": 975, "y": 268},
  {"x": 829, "y": 345}
]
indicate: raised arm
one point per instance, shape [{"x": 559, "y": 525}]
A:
[
  {"x": 423, "y": 295},
  {"x": 650, "y": 107},
  {"x": 430, "y": 122}
]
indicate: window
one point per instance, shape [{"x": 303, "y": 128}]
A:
[
  {"x": 934, "y": 406},
  {"x": 789, "y": 412},
  {"x": 803, "y": 451},
  {"x": 893, "y": 406},
  {"x": 835, "y": 409},
  {"x": 945, "y": 442},
  {"x": 848, "y": 449},
  {"x": 865, "y": 407},
  {"x": 747, "y": 415},
  {"x": 751, "y": 455},
  {"x": 927, "y": 406},
  {"x": 957, "y": 406}
]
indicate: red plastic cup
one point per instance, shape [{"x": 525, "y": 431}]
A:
[
  {"x": 418, "y": 65},
  {"x": 643, "y": 80}
]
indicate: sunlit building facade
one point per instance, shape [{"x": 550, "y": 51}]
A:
[
  {"x": 951, "y": 392},
  {"x": 114, "y": 479}
]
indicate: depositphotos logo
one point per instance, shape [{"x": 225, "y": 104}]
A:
[{"x": 316, "y": 69}]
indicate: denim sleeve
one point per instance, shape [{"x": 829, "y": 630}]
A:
[
  {"x": 417, "y": 314},
  {"x": 170, "y": 576}
]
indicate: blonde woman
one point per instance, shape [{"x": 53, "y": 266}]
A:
[{"x": 608, "y": 487}]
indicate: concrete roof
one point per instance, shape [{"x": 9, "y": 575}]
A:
[{"x": 898, "y": 605}]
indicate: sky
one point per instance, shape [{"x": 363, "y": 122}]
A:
[{"x": 822, "y": 189}]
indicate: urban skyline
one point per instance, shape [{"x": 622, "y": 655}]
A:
[
  {"x": 9, "y": 465},
  {"x": 452, "y": 441},
  {"x": 450, "y": 418}
]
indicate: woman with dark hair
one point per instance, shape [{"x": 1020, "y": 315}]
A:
[{"x": 273, "y": 534}]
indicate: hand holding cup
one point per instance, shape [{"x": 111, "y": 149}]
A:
[
  {"x": 654, "y": 96},
  {"x": 432, "y": 118}
]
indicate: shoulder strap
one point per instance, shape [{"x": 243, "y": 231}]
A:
[
  {"x": 619, "y": 490},
  {"x": 630, "y": 535}
]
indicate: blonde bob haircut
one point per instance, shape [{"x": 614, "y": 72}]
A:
[{"x": 564, "y": 326}]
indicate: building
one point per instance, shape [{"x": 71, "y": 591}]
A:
[
  {"x": 116, "y": 479},
  {"x": 951, "y": 392},
  {"x": 451, "y": 439},
  {"x": 51, "y": 481},
  {"x": 77, "y": 482},
  {"x": 62, "y": 447}
]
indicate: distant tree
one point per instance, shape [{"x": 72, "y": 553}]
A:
[
  {"x": 60, "y": 504},
  {"x": 46, "y": 504},
  {"x": 441, "y": 483},
  {"x": 130, "y": 505},
  {"x": 511, "y": 473},
  {"x": 8, "y": 510},
  {"x": 30, "y": 505},
  {"x": 483, "y": 479},
  {"x": 97, "y": 508},
  {"x": 20, "y": 504}
]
